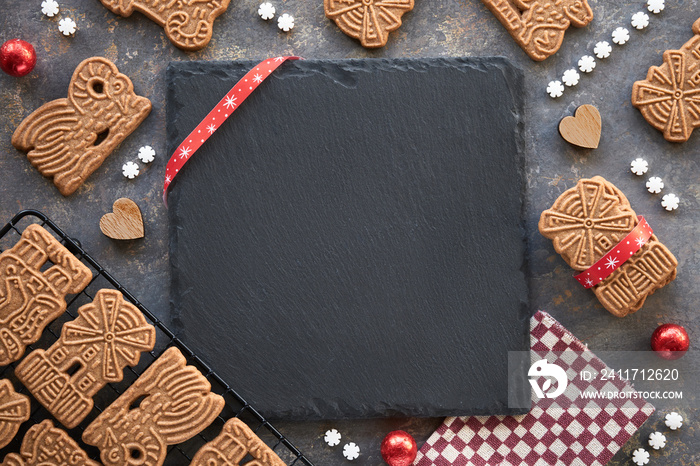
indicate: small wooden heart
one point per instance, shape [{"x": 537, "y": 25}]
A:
[
  {"x": 582, "y": 129},
  {"x": 125, "y": 222}
]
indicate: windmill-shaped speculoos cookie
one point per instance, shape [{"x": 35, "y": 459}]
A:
[
  {"x": 188, "y": 23},
  {"x": 236, "y": 442},
  {"x": 68, "y": 139},
  {"x": 29, "y": 298},
  {"x": 538, "y": 26},
  {"x": 109, "y": 334},
  {"x": 168, "y": 404},
  {"x": 588, "y": 222},
  {"x": 46, "y": 445},
  {"x": 369, "y": 21},
  {"x": 669, "y": 98},
  {"x": 14, "y": 410}
]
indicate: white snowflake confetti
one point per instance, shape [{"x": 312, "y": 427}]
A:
[
  {"x": 67, "y": 26},
  {"x": 640, "y": 457},
  {"x": 674, "y": 421},
  {"x": 185, "y": 152},
  {"x": 147, "y": 154},
  {"x": 639, "y": 166},
  {"x": 586, "y": 64},
  {"x": 640, "y": 241},
  {"x": 571, "y": 77},
  {"x": 655, "y": 185},
  {"x": 230, "y": 101},
  {"x": 130, "y": 170},
  {"x": 589, "y": 282},
  {"x": 211, "y": 128},
  {"x": 351, "y": 451},
  {"x": 670, "y": 202},
  {"x": 620, "y": 36},
  {"x": 286, "y": 22},
  {"x": 257, "y": 78},
  {"x": 602, "y": 49},
  {"x": 655, "y": 6},
  {"x": 49, "y": 8},
  {"x": 266, "y": 11},
  {"x": 640, "y": 20},
  {"x": 657, "y": 440},
  {"x": 555, "y": 89},
  {"x": 332, "y": 437},
  {"x": 167, "y": 179},
  {"x": 612, "y": 262}
]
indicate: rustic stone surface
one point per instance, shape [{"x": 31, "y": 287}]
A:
[{"x": 434, "y": 28}]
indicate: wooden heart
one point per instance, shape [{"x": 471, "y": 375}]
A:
[
  {"x": 582, "y": 129},
  {"x": 125, "y": 222}
]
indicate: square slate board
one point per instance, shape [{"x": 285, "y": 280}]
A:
[{"x": 349, "y": 244}]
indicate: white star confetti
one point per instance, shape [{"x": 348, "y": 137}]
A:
[
  {"x": 640, "y": 20},
  {"x": 257, "y": 78},
  {"x": 147, "y": 154},
  {"x": 657, "y": 440},
  {"x": 130, "y": 170},
  {"x": 640, "y": 457},
  {"x": 640, "y": 241},
  {"x": 612, "y": 262},
  {"x": 67, "y": 26},
  {"x": 285, "y": 22},
  {"x": 555, "y": 89},
  {"x": 655, "y": 185},
  {"x": 184, "y": 152},
  {"x": 655, "y": 6},
  {"x": 602, "y": 49},
  {"x": 49, "y": 8},
  {"x": 670, "y": 202},
  {"x": 332, "y": 437},
  {"x": 674, "y": 421},
  {"x": 620, "y": 36},
  {"x": 211, "y": 128},
  {"x": 639, "y": 166},
  {"x": 571, "y": 77},
  {"x": 589, "y": 282},
  {"x": 266, "y": 11},
  {"x": 586, "y": 64},
  {"x": 351, "y": 451},
  {"x": 230, "y": 101}
]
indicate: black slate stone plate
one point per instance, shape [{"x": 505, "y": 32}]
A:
[{"x": 349, "y": 244}]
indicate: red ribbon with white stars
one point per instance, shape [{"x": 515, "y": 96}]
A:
[
  {"x": 617, "y": 256},
  {"x": 213, "y": 121}
]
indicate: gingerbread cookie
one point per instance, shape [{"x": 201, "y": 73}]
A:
[
  {"x": 538, "y": 26},
  {"x": 29, "y": 298},
  {"x": 589, "y": 220},
  {"x": 232, "y": 445},
  {"x": 174, "y": 404},
  {"x": 68, "y": 139},
  {"x": 188, "y": 23},
  {"x": 109, "y": 334},
  {"x": 46, "y": 445},
  {"x": 669, "y": 98},
  {"x": 14, "y": 410},
  {"x": 370, "y": 21}
]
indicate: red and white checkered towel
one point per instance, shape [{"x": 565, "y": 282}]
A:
[{"x": 556, "y": 431}]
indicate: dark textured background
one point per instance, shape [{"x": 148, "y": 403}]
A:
[
  {"x": 333, "y": 228},
  {"x": 434, "y": 28}
]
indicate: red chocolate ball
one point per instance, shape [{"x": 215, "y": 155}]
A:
[
  {"x": 399, "y": 448},
  {"x": 670, "y": 341},
  {"x": 17, "y": 57}
]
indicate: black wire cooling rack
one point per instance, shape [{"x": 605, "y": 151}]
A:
[{"x": 180, "y": 454}]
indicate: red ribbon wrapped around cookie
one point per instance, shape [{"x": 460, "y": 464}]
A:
[{"x": 617, "y": 256}]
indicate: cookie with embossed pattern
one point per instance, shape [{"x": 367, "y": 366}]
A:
[
  {"x": 29, "y": 297},
  {"x": 370, "y": 21},
  {"x": 92, "y": 351},
  {"x": 68, "y": 139},
  {"x": 188, "y": 23},
  {"x": 14, "y": 410},
  {"x": 168, "y": 404}
]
